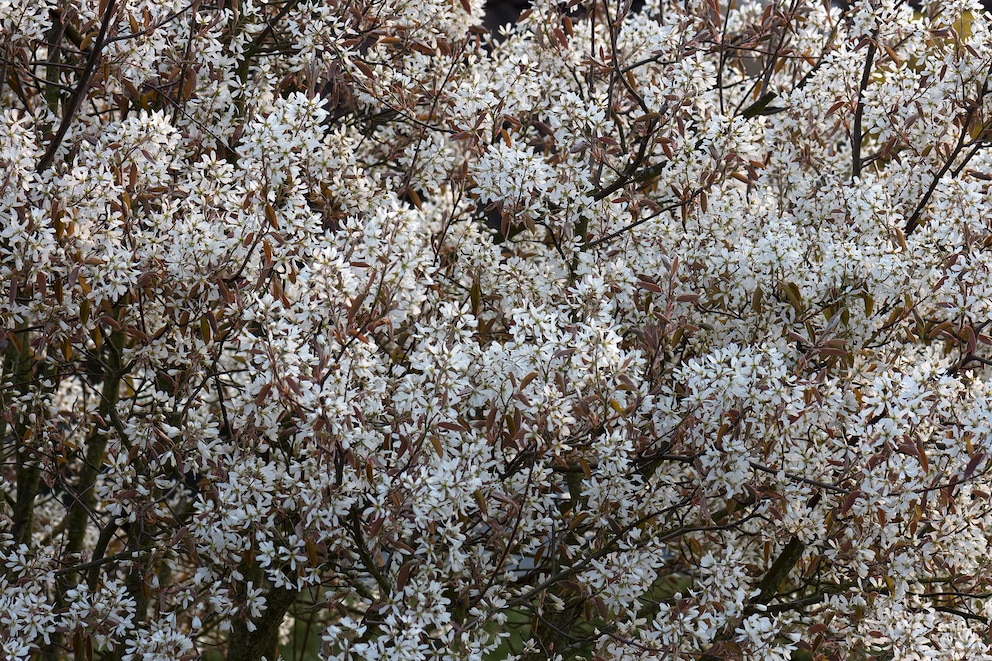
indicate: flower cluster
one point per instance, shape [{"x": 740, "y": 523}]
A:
[{"x": 349, "y": 330}]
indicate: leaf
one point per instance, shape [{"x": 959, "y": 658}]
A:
[
  {"x": 756, "y": 300},
  {"x": 438, "y": 448},
  {"x": 403, "y": 575},
  {"x": 969, "y": 332},
  {"x": 943, "y": 327},
  {"x": 835, "y": 107},
  {"x": 601, "y": 608},
  {"x": 849, "y": 501},
  {"x": 539, "y": 555},
  {"x": 414, "y": 197},
  {"x": 262, "y": 394},
  {"x": 972, "y": 465},
  {"x": 110, "y": 321},
  {"x": 475, "y": 295},
  {"x": 480, "y": 500},
  {"x": 364, "y": 68},
  {"x": 422, "y": 48},
  {"x": 792, "y": 294},
  {"x": 900, "y": 238},
  {"x": 647, "y": 282},
  {"x": 892, "y": 54},
  {"x": 77, "y": 646},
  {"x": 922, "y": 456},
  {"x": 526, "y": 381},
  {"x": 451, "y": 426}
]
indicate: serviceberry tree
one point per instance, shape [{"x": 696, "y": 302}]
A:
[{"x": 345, "y": 328}]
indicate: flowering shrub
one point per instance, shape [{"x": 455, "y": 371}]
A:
[{"x": 343, "y": 325}]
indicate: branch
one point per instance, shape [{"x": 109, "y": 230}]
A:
[
  {"x": 94, "y": 564},
  {"x": 962, "y": 614},
  {"x": 623, "y": 230},
  {"x": 799, "y": 478},
  {"x": 777, "y": 573},
  {"x": 363, "y": 552},
  {"x": 914, "y": 220},
  {"x": 80, "y": 93},
  {"x": 797, "y": 604},
  {"x": 610, "y": 548},
  {"x": 860, "y": 110}
]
